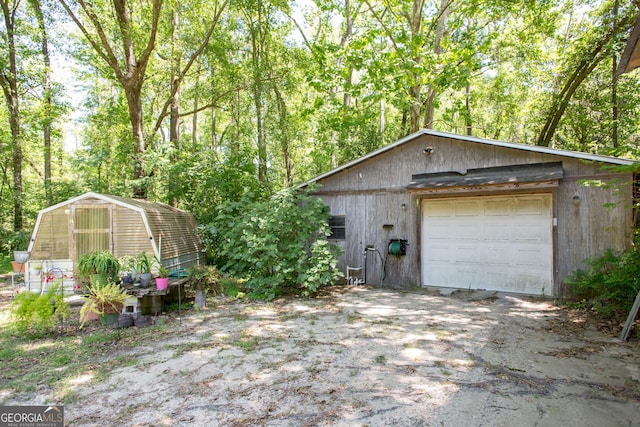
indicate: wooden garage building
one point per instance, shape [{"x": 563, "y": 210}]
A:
[{"x": 445, "y": 210}]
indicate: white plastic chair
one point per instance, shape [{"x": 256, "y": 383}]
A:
[{"x": 354, "y": 279}]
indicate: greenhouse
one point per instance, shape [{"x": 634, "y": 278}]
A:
[{"x": 95, "y": 222}]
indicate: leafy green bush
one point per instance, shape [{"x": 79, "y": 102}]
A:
[
  {"x": 611, "y": 283},
  {"x": 279, "y": 245},
  {"x": 206, "y": 278},
  {"x": 39, "y": 313},
  {"x": 13, "y": 241}
]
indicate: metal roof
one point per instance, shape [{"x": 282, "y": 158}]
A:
[
  {"x": 534, "y": 172},
  {"x": 475, "y": 140},
  {"x": 630, "y": 58}
]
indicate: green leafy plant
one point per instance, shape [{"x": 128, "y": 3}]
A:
[
  {"x": 127, "y": 263},
  {"x": 104, "y": 299},
  {"x": 163, "y": 272},
  {"x": 278, "y": 245},
  {"x": 611, "y": 283},
  {"x": 103, "y": 263},
  {"x": 204, "y": 279},
  {"x": 40, "y": 313},
  {"x": 144, "y": 263}
]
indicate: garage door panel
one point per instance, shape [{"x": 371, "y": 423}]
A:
[
  {"x": 467, "y": 231},
  {"x": 530, "y": 206},
  {"x": 466, "y": 208},
  {"x": 439, "y": 209},
  {"x": 531, "y": 232},
  {"x": 501, "y": 243},
  {"x": 497, "y": 208}
]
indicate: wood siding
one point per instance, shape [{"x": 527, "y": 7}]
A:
[{"x": 371, "y": 194}]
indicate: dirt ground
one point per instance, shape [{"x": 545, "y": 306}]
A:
[{"x": 372, "y": 357}]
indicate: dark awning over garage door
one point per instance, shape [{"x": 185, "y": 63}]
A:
[{"x": 514, "y": 174}]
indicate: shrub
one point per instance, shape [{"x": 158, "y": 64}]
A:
[
  {"x": 206, "y": 278},
  {"x": 278, "y": 245},
  {"x": 40, "y": 313},
  {"x": 610, "y": 284}
]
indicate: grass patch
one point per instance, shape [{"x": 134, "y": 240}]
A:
[
  {"x": 246, "y": 342},
  {"x": 60, "y": 360}
]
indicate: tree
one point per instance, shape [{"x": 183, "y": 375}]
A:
[
  {"x": 126, "y": 47},
  {"x": 10, "y": 88},
  {"x": 47, "y": 98},
  {"x": 588, "y": 53}
]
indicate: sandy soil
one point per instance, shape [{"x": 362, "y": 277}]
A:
[{"x": 372, "y": 357}]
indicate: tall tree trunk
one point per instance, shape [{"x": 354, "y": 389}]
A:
[
  {"x": 575, "y": 79},
  {"x": 47, "y": 99},
  {"x": 214, "y": 133},
  {"x": 441, "y": 26},
  {"x": 257, "y": 55},
  {"x": 174, "y": 121},
  {"x": 346, "y": 37},
  {"x": 134, "y": 104},
  {"x": 9, "y": 83},
  {"x": 415, "y": 91},
  {"x": 194, "y": 119},
  {"x": 284, "y": 143},
  {"x": 382, "y": 120},
  {"x": 614, "y": 85},
  {"x": 129, "y": 70},
  {"x": 467, "y": 115}
]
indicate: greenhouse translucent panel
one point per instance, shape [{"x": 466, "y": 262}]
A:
[{"x": 92, "y": 229}]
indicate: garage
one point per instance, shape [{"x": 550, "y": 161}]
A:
[{"x": 501, "y": 243}]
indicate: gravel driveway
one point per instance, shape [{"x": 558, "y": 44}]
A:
[{"x": 372, "y": 357}]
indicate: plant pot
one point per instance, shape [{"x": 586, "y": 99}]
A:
[
  {"x": 162, "y": 282},
  {"x": 90, "y": 316},
  {"x": 21, "y": 256},
  {"x": 18, "y": 267},
  {"x": 109, "y": 319},
  {"x": 145, "y": 279},
  {"x": 201, "y": 298}
]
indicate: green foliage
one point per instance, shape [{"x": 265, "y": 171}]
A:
[
  {"x": 163, "y": 272},
  {"x": 144, "y": 263},
  {"x": 611, "y": 283},
  {"x": 103, "y": 299},
  {"x": 103, "y": 263},
  {"x": 206, "y": 278},
  {"x": 14, "y": 241},
  {"x": 39, "y": 313},
  {"x": 278, "y": 245}
]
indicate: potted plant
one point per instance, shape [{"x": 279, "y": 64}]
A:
[
  {"x": 144, "y": 263},
  {"x": 204, "y": 279},
  {"x": 106, "y": 301},
  {"x": 19, "y": 242},
  {"x": 162, "y": 281},
  {"x": 98, "y": 267},
  {"x": 127, "y": 269}
]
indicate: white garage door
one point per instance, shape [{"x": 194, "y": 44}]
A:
[{"x": 500, "y": 243}]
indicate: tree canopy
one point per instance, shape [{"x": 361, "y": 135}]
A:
[{"x": 195, "y": 103}]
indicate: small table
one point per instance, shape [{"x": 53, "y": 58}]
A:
[{"x": 151, "y": 300}]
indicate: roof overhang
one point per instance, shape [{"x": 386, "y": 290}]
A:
[
  {"x": 515, "y": 176},
  {"x": 630, "y": 58}
]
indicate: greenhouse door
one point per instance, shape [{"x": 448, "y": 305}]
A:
[{"x": 91, "y": 229}]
